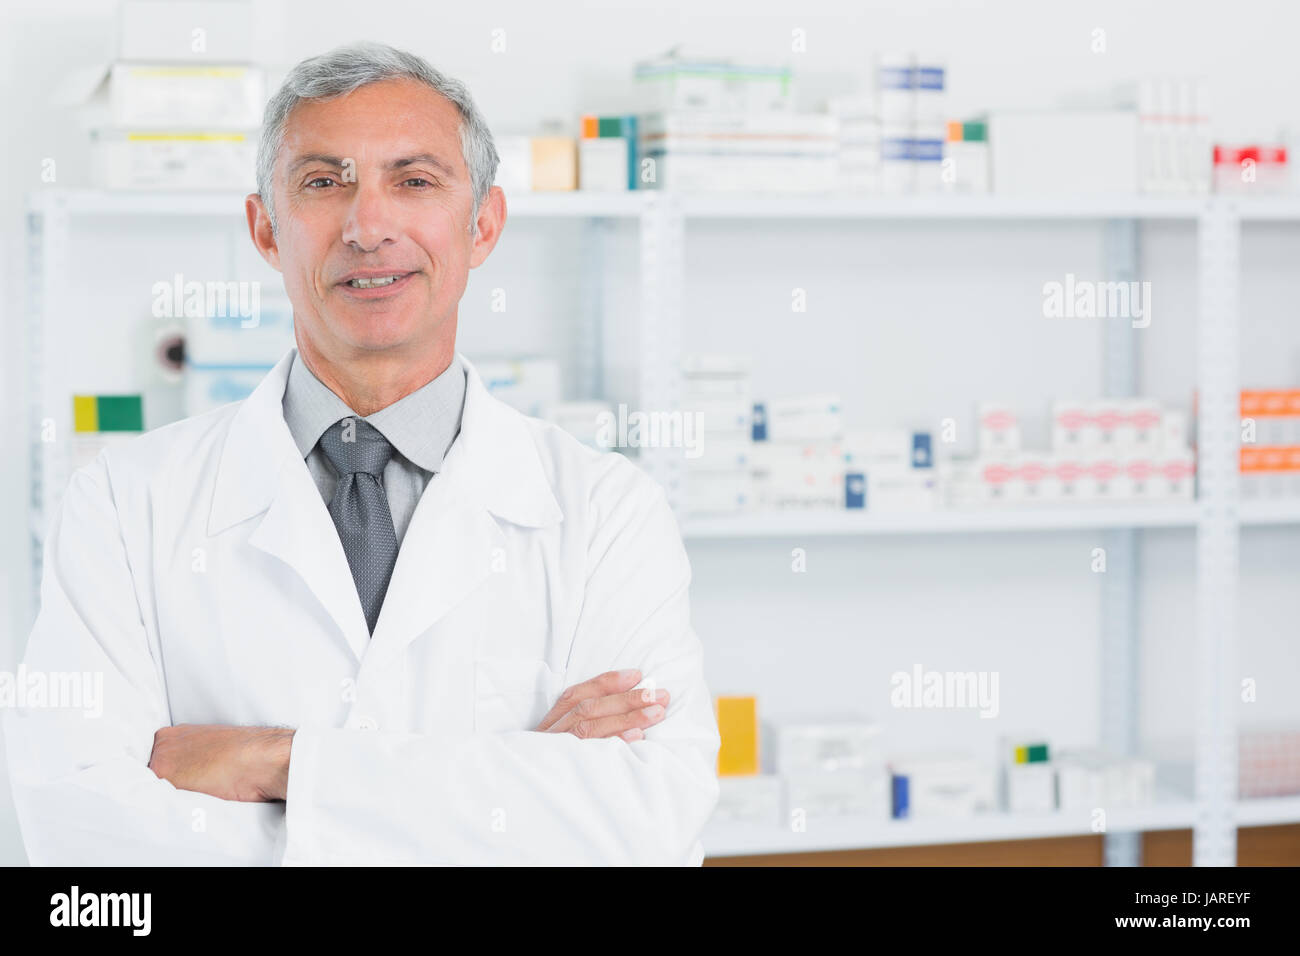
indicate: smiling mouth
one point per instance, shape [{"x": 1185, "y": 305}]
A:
[{"x": 376, "y": 282}]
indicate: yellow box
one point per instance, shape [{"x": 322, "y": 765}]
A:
[
  {"x": 555, "y": 163},
  {"x": 738, "y": 727}
]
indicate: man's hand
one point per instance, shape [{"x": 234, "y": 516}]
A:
[
  {"x": 250, "y": 764},
  {"x": 606, "y": 706}
]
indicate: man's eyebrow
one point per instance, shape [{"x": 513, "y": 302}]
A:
[
  {"x": 427, "y": 158},
  {"x": 309, "y": 158},
  {"x": 327, "y": 160}
]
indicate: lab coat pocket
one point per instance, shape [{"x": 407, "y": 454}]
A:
[{"x": 513, "y": 693}]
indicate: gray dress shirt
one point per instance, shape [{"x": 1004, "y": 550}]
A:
[{"x": 421, "y": 428}]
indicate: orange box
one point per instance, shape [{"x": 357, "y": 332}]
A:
[
  {"x": 738, "y": 728},
  {"x": 1270, "y": 458},
  {"x": 1269, "y": 402}
]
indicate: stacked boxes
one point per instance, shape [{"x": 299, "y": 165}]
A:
[
  {"x": 744, "y": 794},
  {"x": 1091, "y": 779},
  {"x": 913, "y": 123},
  {"x": 858, "y": 143},
  {"x": 1270, "y": 465},
  {"x": 836, "y": 766},
  {"x": 713, "y": 125},
  {"x": 1122, "y": 449},
  {"x": 716, "y": 393},
  {"x": 1102, "y": 451},
  {"x": 889, "y": 470},
  {"x": 1035, "y": 781},
  {"x": 798, "y": 462},
  {"x": 774, "y": 152},
  {"x": 831, "y": 767},
  {"x": 185, "y": 103}
]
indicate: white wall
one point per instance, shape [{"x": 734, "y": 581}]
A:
[{"x": 909, "y": 322}]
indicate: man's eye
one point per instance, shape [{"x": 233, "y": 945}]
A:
[
  {"x": 419, "y": 180},
  {"x": 320, "y": 179}
]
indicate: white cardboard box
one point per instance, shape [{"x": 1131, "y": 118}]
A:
[
  {"x": 186, "y": 96},
  {"x": 178, "y": 160},
  {"x": 1063, "y": 153},
  {"x": 749, "y": 799}
]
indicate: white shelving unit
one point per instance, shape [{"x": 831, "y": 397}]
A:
[
  {"x": 847, "y": 833},
  {"x": 1216, "y": 517}
]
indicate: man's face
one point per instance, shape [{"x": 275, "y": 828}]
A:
[{"x": 372, "y": 202}]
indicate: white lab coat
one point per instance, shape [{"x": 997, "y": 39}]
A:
[{"x": 198, "y": 569}]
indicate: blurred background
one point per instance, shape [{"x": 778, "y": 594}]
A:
[{"x": 968, "y": 297}]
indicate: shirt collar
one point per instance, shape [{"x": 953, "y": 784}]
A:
[{"x": 421, "y": 425}]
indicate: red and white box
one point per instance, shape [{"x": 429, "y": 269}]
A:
[
  {"x": 1074, "y": 472},
  {"x": 1073, "y": 425},
  {"x": 1178, "y": 471},
  {"x": 1250, "y": 168},
  {"x": 999, "y": 429}
]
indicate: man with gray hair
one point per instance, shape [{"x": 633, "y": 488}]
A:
[{"x": 370, "y": 614}]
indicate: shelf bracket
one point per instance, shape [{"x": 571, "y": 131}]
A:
[
  {"x": 1218, "y": 442},
  {"x": 1120, "y": 640}
]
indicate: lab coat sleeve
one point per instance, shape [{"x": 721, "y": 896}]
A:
[
  {"x": 524, "y": 797},
  {"x": 82, "y": 786}
]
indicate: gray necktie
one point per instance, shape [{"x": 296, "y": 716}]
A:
[{"x": 359, "y": 452}]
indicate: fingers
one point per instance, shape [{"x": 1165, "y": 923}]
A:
[
  {"x": 630, "y": 726},
  {"x": 602, "y": 685},
  {"x": 589, "y": 713}
]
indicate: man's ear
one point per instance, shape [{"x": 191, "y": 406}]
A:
[
  {"x": 259, "y": 229},
  {"x": 491, "y": 220}
]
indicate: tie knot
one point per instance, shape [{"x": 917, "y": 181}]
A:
[{"x": 354, "y": 445}]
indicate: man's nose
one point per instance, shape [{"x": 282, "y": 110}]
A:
[{"x": 369, "y": 220}]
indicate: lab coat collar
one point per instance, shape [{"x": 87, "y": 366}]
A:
[
  {"x": 493, "y": 469},
  {"x": 493, "y": 458}
]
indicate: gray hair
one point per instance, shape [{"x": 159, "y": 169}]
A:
[{"x": 348, "y": 68}]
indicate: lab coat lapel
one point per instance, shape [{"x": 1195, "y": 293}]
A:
[
  {"x": 455, "y": 540},
  {"x": 261, "y": 470}
]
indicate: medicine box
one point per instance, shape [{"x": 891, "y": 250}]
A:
[
  {"x": 858, "y": 793},
  {"x": 801, "y": 746},
  {"x": 738, "y": 728},
  {"x": 175, "y": 96},
  {"x": 925, "y": 787},
  {"x": 752, "y": 799},
  {"x": 1051, "y": 152},
  {"x": 173, "y": 160}
]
